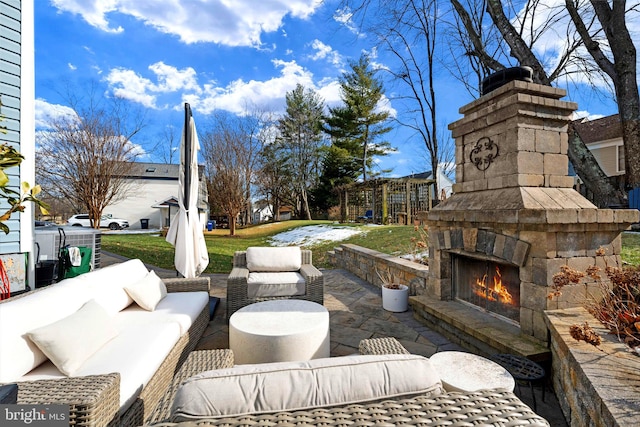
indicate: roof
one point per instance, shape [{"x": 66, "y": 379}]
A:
[
  {"x": 158, "y": 171},
  {"x": 420, "y": 175},
  {"x": 599, "y": 130},
  {"x": 155, "y": 170}
]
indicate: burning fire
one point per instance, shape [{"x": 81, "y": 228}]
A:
[{"x": 497, "y": 293}]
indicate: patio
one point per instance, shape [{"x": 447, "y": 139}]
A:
[{"x": 356, "y": 313}]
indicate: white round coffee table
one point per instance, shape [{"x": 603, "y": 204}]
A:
[
  {"x": 279, "y": 331},
  {"x": 461, "y": 371}
]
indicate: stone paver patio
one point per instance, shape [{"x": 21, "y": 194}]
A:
[{"x": 356, "y": 313}]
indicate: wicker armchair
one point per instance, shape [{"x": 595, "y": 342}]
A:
[{"x": 237, "y": 287}]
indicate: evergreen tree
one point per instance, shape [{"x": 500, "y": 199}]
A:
[
  {"x": 300, "y": 143},
  {"x": 358, "y": 125}
]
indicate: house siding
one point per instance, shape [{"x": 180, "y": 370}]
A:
[
  {"x": 10, "y": 91},
  {"x": 607, "y": 157}
]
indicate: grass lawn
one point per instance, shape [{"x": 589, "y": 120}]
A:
[{"x": 390, "y": 239}]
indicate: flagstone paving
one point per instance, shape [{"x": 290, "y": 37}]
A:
[{"x": 356, "y": 313}]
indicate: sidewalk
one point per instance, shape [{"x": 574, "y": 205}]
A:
[{"x": 356, "y": 313}]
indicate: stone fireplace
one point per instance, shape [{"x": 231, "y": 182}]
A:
[{"x": 514, "y": 217}]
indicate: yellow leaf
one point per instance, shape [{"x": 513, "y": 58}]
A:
[
  {"x": 25, "y": 186},
  {"x": 36, "y": 190},
  {"x": 4, "y": 179}
]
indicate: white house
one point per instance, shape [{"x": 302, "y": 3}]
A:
[
  {"x": 444, "y": 183},
  {"x": 153, "y": 196}
]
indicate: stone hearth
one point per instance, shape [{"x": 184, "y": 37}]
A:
[{"x": 514, "y": 202}]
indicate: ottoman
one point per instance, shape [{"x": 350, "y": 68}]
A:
[{"x": 279, "y": 331}]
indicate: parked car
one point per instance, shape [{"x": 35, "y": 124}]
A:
[
  {"x": 82, "y": 220},
  {"x": 39, "y": 223}
]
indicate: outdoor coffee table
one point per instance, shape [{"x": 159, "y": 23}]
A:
[
  {"x": 461, "y": 371},
  {"x": 279, "y": 331}
]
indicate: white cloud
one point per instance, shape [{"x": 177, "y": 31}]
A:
[
  {"x": 231, "y": 23},
  {"x": 324, "y": 51},
  {"x": 128, "y": 84},
  {"x": 47, "y": 113},
  {"x": 345, "y": 17},
  {"x": 71, "y": 66},
  {"x": 91, "y": 11}
]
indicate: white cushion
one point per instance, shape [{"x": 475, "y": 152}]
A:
[
  {"x": 18, "y": 354},
  {"x": 107, "y": 284},
  {"x": 147, "y": 292},
  {"x": 69, "y": 342},
  {"x": 272, "y": 387},
  {"x": 150, "y": 342},
  {"x": 136, "y": 353},
  {"x": 283, "y": 284},
  {"x": 180, "y": 307},
  {"x": 274, "y": 259}
]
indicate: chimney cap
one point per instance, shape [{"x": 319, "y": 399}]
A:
[{"x": 502, "y": 77}]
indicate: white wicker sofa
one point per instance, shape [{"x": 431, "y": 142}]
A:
[{"x": 87, "y": 343}]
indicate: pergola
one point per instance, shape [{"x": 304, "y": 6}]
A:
[{"x": 386, "y": 200}]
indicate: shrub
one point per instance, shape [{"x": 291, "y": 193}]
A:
[{"x": 618, "y": 306}]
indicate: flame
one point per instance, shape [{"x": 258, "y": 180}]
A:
[{"x": 496, "y": 293}]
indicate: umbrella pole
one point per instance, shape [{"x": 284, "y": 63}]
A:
[{"x": 187, "y": 153}]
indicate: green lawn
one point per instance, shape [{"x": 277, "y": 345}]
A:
[{"x": 390, "y": 239}]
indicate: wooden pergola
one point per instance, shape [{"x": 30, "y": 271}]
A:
[{"x": 386, "y": 200}]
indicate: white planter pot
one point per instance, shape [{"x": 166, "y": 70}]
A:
[{"x": 396, "y": 300}]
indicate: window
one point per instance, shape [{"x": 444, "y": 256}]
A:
[{"x": 620, "y": 158}]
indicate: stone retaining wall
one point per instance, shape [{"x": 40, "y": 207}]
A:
[
  {"x": 595, "y": 386},
  {"x": 363, "y": 263}
]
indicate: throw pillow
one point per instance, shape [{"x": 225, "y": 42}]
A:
[
  {"x": 148, "y": 292},
  {"x": 70, "y": 341}
]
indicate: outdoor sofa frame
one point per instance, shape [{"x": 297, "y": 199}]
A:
[
  {"x": 94, "y": 400},
  {"x": 486, "y": 407},
  {"x": 237, "y": 295}
]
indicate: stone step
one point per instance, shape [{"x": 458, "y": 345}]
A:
[{"x": 475, "y": 330}]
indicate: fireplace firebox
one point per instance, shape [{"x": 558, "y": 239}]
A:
[{"x": 488, "y": 285}]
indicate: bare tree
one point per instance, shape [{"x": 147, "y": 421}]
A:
[
  {"x": 412, "y": 40},
  {"x": 620, "y": 64},
  {"x": 230, "y": 150},
  {"x": 86, "y": 158}
]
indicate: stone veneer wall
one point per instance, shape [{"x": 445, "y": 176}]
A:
[
  {"x": 363, "y": 263},
  {"x": 595, "y": 386}
]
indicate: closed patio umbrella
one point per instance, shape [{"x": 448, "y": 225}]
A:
[{"x": 186, "y": 232}]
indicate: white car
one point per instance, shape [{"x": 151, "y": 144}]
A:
[{"x": 82, "y": 220}]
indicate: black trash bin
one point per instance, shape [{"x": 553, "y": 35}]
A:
[{"x": 144, "y": 223}]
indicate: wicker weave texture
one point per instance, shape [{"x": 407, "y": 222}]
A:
[
  {"x": 94, "y": 400},
  {"x": 485, "y": 407},
  {"x": 381, "y": 346},
  {"x": 197, "y": 362},
  {"x": 237, "y": 295}
]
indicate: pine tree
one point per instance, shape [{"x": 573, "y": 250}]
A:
[
  {"x": 358, "y": 125},
  {"x": 300, "y": 141}
]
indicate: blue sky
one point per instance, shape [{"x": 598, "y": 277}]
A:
[{"x": 216, "y": 55}]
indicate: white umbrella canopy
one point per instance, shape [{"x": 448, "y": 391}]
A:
[{"x": 186, "y": 232}]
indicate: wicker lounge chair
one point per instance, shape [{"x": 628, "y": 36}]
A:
[
  {"x": 485, "y": 407},
  {"x": 238, "y": 294}
]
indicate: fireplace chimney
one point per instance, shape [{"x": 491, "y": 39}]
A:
[{"x": 514, "y": 202}]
